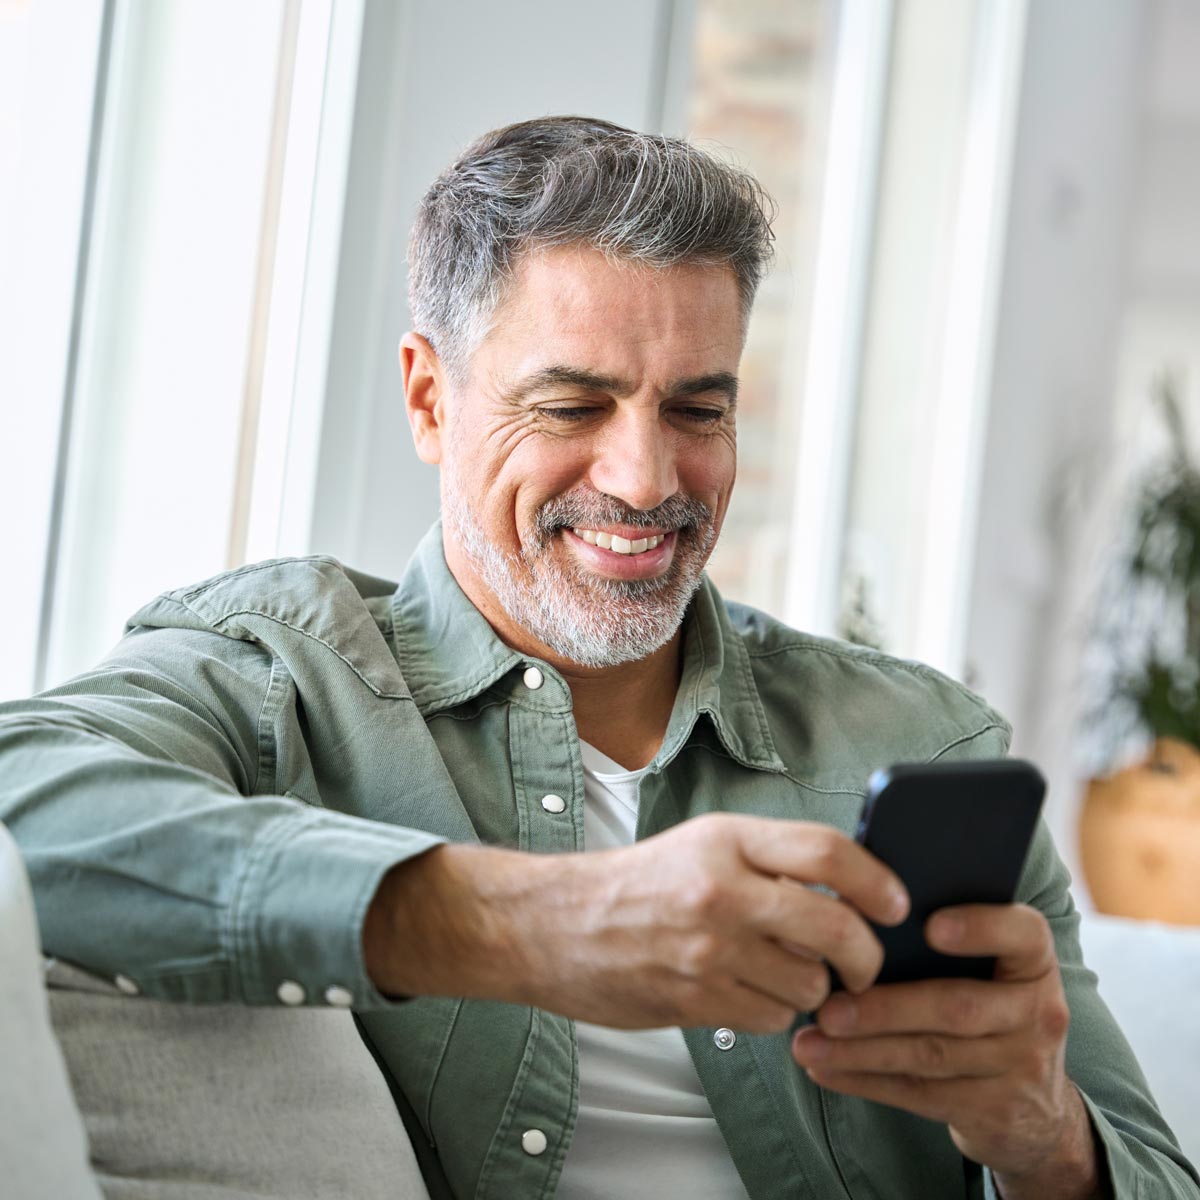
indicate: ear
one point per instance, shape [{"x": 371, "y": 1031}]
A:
[{"x": 424, "y": 395}]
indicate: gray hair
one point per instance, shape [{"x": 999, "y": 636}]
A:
[{"x": 557, "y": 181}]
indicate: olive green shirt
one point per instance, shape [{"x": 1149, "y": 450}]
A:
[{"x": 210, "y": 811}]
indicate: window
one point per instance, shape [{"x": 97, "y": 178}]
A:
[{"x": 172, "y": 424}]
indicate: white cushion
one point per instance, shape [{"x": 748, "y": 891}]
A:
[
  {"x": 1150, "y": 979},
  {"x": 43, "y": 1148}
]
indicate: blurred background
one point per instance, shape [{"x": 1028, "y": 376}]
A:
[{"x": 967, "y": 389}]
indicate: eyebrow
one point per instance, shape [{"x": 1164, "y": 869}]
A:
[{"x": 562, "y": 376}]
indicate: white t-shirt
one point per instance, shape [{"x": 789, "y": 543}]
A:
[{"x": 645, "y": 1127}]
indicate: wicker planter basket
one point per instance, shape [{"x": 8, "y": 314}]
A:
[{"x": 1140, "y": 837}]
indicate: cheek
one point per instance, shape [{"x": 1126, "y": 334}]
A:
[
  {"x": 707, "y": 470},
  {"x": 538, "y": 471}
]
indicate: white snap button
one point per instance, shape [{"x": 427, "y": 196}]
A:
[
  {"x": 533, "y": 1141},
  {"x": 725, "y": 1039},
  {"x": 126, "y": 985},
  {"x": 290, "y": 993},
  {"x": 553, "y": 804},
  {"x": 339, "y": 997},
  {"x": 533, "y": 678}
]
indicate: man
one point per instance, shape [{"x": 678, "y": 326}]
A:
[{"x": 296, "y": 784}]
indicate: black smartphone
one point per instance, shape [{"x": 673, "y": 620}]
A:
[{"x": 955, "y": 833}]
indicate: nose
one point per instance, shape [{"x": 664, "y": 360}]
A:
[{"x": 635, "y": 462}]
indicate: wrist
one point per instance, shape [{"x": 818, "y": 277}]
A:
[
  {"x": 1074, "y": 1171},
  {"x": 457, "y": 920}
]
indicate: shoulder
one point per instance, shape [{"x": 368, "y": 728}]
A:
[
  {"x": 300, "y": 592},
  {"x": 837, "y": 710},
  {"x": 294, "y": 607}
]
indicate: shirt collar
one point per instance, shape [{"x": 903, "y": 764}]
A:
[{"x": 449, "y": 654}]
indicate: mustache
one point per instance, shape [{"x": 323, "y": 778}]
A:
[{"x": 587, "y": 508}]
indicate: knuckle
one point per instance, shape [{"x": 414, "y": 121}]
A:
[
  {"x": 932, "y": 1055},
  {"x": 840, "y": 927},
  {"x": 712, "y": 822},
  {"x": 702, "y": 954},
  {"x": 705, "y": 897},
  {"x": 962, "y": 1011},
  {"x": 816, "y": 988},
  {"x": 826, "y": 854},
  {"x": 1055, "y": 1019}
]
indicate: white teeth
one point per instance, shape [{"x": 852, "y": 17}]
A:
[{"x": 618, "y": 544}]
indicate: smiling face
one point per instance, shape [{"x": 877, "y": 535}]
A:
[{"x": 588, "y": 460}]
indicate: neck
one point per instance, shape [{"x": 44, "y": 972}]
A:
[{"x": 624, "y": 710}]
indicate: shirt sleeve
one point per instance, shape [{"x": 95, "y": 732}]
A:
[
  {"x": 1141, "y": 1154},
  {"x": 133, "y": 793}
]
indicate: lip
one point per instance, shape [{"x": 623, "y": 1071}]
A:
[{"x": 646, "y": 565}]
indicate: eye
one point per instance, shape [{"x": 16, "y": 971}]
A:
[
  {"x": 576, "y": 412},
  {"x": 701, "y": 414}
]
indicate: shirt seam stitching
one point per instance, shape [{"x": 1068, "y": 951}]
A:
[
  {"x": 524, "y": 1067},
  {"x": 751, "y": 691},
  {"x": 249, "y": 569},
  {"x": 966, "y": 737},
  {"x": 437, "y": 1070},
  {"x": 262, "y": 710},
  {"x": 258, "y": 612}
]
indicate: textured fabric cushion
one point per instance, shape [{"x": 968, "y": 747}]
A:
[
  {"x": 1150, "y": 978},
  {"x": 43, "y": 1150},
  {"x": 191, "y": 1102}
]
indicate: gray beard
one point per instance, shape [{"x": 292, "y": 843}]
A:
[{"x": 586, "y": 619}]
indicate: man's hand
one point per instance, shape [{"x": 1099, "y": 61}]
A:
[
  {"x": 987, "y": 1058},
  {"x": 705, "y": 924}
]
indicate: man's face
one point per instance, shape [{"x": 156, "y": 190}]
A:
[{"x": 588, "y": 460}]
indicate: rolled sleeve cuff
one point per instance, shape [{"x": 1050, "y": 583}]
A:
[{"x": 296, "y": 923}]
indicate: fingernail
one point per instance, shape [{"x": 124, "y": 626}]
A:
[
  {"x": 897, "y": 904},
  {"x": 812, "y": 1048},
  {"x": 839, "y": 1014}
]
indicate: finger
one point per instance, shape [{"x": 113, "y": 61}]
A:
[
  {"x": 1019, "y": 937},
  {"x": 823, "y": 925},
  {"x": 748, "y": 1009},
  {"x": 939, "y": 1100},
  {"x": 802, "y": 983},
  {"x": 920, "y": 1055},
  {"x": 812, "y": 853},
  {"x": 958, "y": 1007}
]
